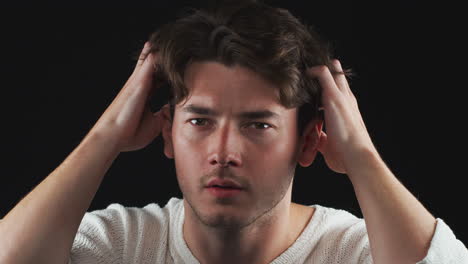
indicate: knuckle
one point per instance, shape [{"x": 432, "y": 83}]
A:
[
  {"x": 322, "y": 69},
  {"x": 318, "y": 70},
  {"x": 144, "y": 56},
  {"x": 336, "y": 64}
]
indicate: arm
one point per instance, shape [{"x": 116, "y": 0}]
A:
[
  {"x": 42, "y": 227},
  {"x": 400, "y": 229}
]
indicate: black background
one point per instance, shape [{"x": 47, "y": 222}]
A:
[{"x": 62, "y": 65}]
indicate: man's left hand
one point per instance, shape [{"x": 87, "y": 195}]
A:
[{"x": 346, "y": 136}]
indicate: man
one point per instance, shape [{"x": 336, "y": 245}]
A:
[{"x": 234, "y": 128}]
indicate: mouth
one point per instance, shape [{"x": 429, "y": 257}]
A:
[
  {"x": 223, "y": 191},
  {"x": 223, "y": 188},
  {"x": 223, "y": 184}
]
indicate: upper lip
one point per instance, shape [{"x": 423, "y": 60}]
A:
[{"x": 224, "y": 183}]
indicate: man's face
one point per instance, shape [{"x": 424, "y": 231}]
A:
[{"x": 260, "y": 152}]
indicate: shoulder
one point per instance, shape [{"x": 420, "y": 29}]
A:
[
  {"x": 340, "y": 235},
  {"x": 333, "y": 217},
  {"x": 118, "y": 216},
  {"x": 339, "y": 224},
  {"x": 119, "y": 232}
]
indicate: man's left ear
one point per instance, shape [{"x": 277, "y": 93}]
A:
[{"x": 309, "y": 142}]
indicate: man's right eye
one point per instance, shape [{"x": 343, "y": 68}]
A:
[{"x": 198, "y": 121}]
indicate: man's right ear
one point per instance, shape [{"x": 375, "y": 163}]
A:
[{"x": 167, "y": 131}]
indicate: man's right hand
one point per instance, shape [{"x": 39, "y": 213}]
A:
[
  {"x": 128, "y": 121},
  {"x": 53, "y": 210}
]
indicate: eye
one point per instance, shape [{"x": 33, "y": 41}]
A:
[
  {"x": 257, "y": 125},
  {"x": 198, "y": 123},
  {"x": 260, "y": 125}
]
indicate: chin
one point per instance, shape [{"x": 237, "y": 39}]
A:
[
  {"x": 221, "y": 216},
  {"x": 223, "y": 221}
]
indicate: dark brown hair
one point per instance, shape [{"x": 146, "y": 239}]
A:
[{"x": 269, "y": 41}]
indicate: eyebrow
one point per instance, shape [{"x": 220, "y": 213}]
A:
[{"x": 258, "y": 114}]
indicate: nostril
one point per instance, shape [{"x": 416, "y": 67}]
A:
[{"x": 224, "y": 162}]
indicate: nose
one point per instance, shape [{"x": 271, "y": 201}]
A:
[{"x": 225, "y": 144}]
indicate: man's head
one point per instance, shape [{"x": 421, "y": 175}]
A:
[{"x": 223, "y": 63}]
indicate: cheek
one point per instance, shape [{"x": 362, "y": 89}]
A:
[
  {"x": 188, "y": 146},
  {"x": 186, "y": 153},
  {"x": 280, "y": 151}
]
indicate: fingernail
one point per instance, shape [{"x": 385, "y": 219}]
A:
[{"x": 147, "y": 45}]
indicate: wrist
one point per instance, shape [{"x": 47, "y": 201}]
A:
[
  {"x": 364, "y": 163},
  {"x": 108, "y": 144}
]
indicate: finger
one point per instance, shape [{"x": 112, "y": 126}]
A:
[
  {"x": 342, "y": 81},
  {"x": 143, "y": 55},
  {"x": 340, "y": 78},
  {"x": 326, "y": 81},
  {"x": 138, "y": 86},
  {"x": 141, "y": 59},
  {"x": 145, "y": 73}
]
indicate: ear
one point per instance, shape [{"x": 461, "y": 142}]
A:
[
  {"x": 309, "y": 142},
  {"x": 167, "y": 131}
]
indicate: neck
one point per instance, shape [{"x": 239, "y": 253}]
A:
[{"x": 260, "y": 242}]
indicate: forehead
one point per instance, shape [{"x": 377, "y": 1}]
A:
[{"x": 216, "y": 85}]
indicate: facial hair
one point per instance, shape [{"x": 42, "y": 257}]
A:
[{"x": 262, "y": 212}]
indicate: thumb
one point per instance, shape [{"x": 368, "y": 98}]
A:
[
  {"x": 323, "y": 142},
  {"x": 151, "y": 125},
  {"x": 156, "y": 122}
]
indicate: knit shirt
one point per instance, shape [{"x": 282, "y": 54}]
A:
[{"x": 152, "y": 234}]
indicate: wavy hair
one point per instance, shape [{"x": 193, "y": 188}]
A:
[{"x": 267, "y": 40}]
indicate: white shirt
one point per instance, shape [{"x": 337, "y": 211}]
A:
[{"x": 153, "y": 234}]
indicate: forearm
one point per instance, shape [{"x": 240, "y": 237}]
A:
[
  {"x": 42, "y": 226},
  {"x": 400, "y": 229}
]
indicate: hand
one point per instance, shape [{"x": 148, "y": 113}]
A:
[
  {"x": 128, "y": 121},
  {"x": 346, "y": 135}
]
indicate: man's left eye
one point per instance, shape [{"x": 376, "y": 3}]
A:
[{"x": 261, "y": 126}]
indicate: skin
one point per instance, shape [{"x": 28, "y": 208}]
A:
[
  {"x": 260, "y": 223},
  {"x": 399, "y": 227}
]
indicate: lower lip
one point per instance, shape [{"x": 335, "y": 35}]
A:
[{"x": 223, "y": 192}]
